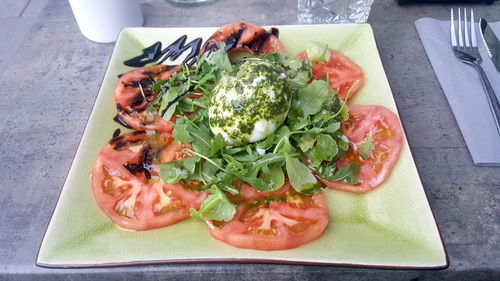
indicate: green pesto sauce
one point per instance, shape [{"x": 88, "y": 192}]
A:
[{"x": 257, "y": 90}]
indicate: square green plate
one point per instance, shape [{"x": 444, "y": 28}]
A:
[{"x": 391, "y": 226}]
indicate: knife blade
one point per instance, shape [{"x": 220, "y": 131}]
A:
[{"x": 491, "y": 42}]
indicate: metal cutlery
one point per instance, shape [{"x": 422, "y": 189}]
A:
[
  {"x": 466, "y": 51},
  {"x": 491, "y": 42}
]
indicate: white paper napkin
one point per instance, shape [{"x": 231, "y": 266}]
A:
[{"x": 463, "y": 89}]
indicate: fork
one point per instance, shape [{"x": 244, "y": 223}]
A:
[{"x": 467, "y": 52}]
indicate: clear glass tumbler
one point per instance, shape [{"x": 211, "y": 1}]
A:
[
  {"x": 333, "y": 11},
  {"x": 190, "y": 2}
]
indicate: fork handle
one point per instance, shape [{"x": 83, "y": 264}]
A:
[{"x": 492, "y": 98}]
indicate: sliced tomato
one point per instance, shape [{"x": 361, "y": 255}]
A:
[
  {"x": 342, "y": 72},
  {"x": 174, "y": 151},
  {"x": 278, "y": 220},
  {"x": 387, "y": 136},
  {"x": 273, "y": 45},
  {"x": 127, "y": 187},
  {"x": 244, "y": 37},
  {"x": 133, "y": 93}
]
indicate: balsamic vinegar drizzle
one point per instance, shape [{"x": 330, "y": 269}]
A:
[
  {"x": 144, "y": 165},
  {"x": 116, "y": 133},
  {"x": 154, "y": 53},
  {"x": 119, "y": 120}
]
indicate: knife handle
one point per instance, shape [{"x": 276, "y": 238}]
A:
[
  {"x": 404, "y": 2},
  {"x": 492, "y": 98}
]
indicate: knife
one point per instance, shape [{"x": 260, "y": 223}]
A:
[{"x": 491, "y": 42}]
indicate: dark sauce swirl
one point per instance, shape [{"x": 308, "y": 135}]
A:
[{"x": 155, "y": 53}]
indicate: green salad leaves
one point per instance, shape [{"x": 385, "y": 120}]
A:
[{"x": 308, "y": 142}]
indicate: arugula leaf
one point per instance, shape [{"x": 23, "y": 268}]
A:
[
  {"x": 296, "y": 64},
  {"x": 299, "y": 76},
  {"x": 283, "y": 143},
  {"x": 185, "y": 105},
  {"x": 264, "y": 163},
  {"x": 300, "y": 175},
  {"x": 275, "y": 178},
  {"x": 258, "y": 184},
  {"x": 208, "y": 170},
  {"x": 233, "y": 165},
  {"x": 347, "y": 174},
  {"x": 267, "y": 142},
  {"x": 366, "y": 146},
  {"x": 332, "y": 127},
  {"x": 273, "y": 57},
  {"x": 225, "y": 184},
  {"x": 201, "y": 138},
  {"x": 217, "y": 144},
  {"x": 216, "y": 207},
  {"x": 317, "y": 51},
  {"x": 220, "y": 59},
  {"x": 168, "y": 97},
  {"x": 299, "y": 123},
  {"x": 268, "y": 159},
  {"x": 181, "y": 133},
  {"x": 306, "y": 142},
  {"x": 174, "y": 172},
  {"x": 325, "y": 171},
  {"x": 310, "y": 99},
  {"x": 158, "y": 85},
  {"x": 325, "y": 148}
]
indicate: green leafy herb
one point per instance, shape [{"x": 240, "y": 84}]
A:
[
  {"x": 310, "y": 99},
  {"x": 317, "y": 51},
  {"x": 181, "y": 132},
  {"x": 209, "y": 170},
  {"x": 199, "y": 135},
  {"x": 174, "y": 172},
  {"x": 347, "y": 174},
  {"x": 273, "y": 177},
  {"x": 216, "y": 207},
  {"x": 300, "y": 175},
  {"x": 219, "y": 58},
  {"x": 168, "y": 97},
  {"x": 306, "y": 142},
  {"x": 217, "y": 144},
  {"x": 366, "y": 146},
  {"x": 325, "y": 147}
]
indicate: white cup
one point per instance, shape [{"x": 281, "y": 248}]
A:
[{"x": 102, "y": 20}]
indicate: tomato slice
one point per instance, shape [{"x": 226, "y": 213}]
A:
[
  {"x": 133, "y": 93},
  {"x": 341, "y": 70},
  {"x": 273, "y": 45},
  {"x": 387, "y": 141},
  {"x": 244, "y": 37},
  {"x": 278, "y": 220},
  {"x": 128, "y": 189}
]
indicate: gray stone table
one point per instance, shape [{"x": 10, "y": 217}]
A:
[{"x": 49, "y": 80}]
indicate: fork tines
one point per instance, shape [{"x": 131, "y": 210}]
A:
[{"x": 464, "y": 40}]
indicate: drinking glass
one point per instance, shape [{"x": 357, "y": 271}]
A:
[
  {"x": 333, "y": 11},
  {"x": 190, "y": 2}
]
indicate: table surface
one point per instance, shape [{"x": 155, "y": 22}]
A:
[{"x": 51, "y": 76}]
